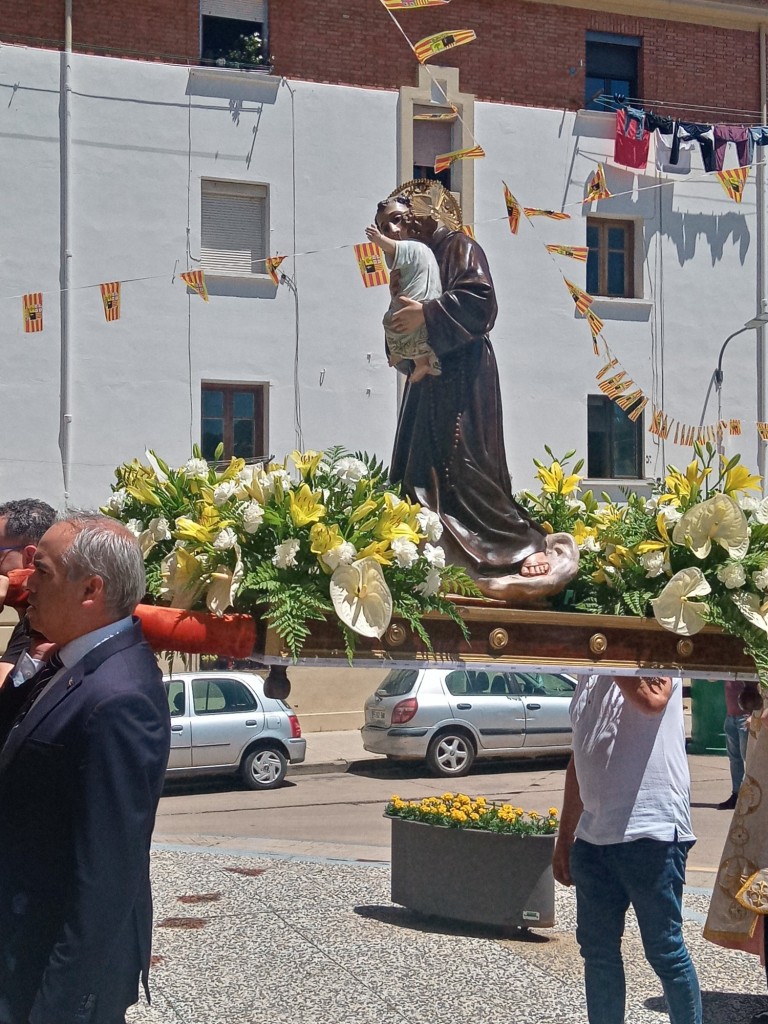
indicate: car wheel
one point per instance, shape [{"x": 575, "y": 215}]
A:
[
  {"x": 264, "y": 768},
  {"x": 451, "y": 754}
]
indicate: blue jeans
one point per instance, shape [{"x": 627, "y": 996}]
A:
[
  {"x": 649, "y": 875},
  {"x": 736, "y": 729}
]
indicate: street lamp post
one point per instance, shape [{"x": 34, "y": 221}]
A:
[{"x": 751, "y": 325}]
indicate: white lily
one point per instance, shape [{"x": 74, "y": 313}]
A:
[
  {"x": 675, "y": 610},
  {"x": 160, "y": 473},
  {"x": 718, "y": 519},
  {"x": 752, "y": 608},
  {"x": 223, "y": 586},
  {"x": 182, "y": 581},
  {"x": 157, "y": 530},
  {"x": 361, "y": 597}
]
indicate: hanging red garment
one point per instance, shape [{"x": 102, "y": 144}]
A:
[{"x": 632, "y": 140}]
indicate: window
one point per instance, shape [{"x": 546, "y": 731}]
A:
[
  {"x": 224, "y": 696},
  {"x": 614, "y": 442},
  {"x": 430, "y": 139},
  {"x": 176, "y": 698},
  {"x": 611, "y": 260},
  {"x": 234, "y": 227},
  {"x": 234, "y": 415},
  {"x": 612, "y": 68},
  {"x": 233, "y": 33}
]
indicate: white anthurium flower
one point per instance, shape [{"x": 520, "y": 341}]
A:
[
  {"x": 718, "y": 519},
  {"x": 405, "y": 552},
  {"x": 361, "y": 597},
  {"x": 223, "y": 491},
  {"x": 343, "y": 554},
  {"x": 430, "y": 524},
  {"x": 654, "y": 563},
  {"x": 118, "y": 500},
  {"x": 225, "y": 539},
  {"x": 671, "y": 515},
  {"x": 136, "y": 527},
  {"x": 350, "y": 471},
  {"x": 431, "y": 584},
  {"x": 222, "y": 589},
  {"x": 752, "y": 608},
  {"x": 253, "y": 516},
  {"x": 196, "y": 469},
  {"x": 760, "y": 578},
  {"x": 732, "y": 575},
  {"x": 675, "y": 610},
  {"x": 157, "y": 530},
  {"x": 435, "y": 555},
  {"x": 747, "y": 503},
  {"x": 760, "y": 514},
  {"x": 160, "y": 473},
  {"x": 285, "y": 553}
]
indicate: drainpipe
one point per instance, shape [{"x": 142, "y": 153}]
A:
[
  {"x": 762, "y": 265},
  {"x": 65, "y": 252}
]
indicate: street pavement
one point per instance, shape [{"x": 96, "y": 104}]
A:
[{"x": 253, "y": 932}]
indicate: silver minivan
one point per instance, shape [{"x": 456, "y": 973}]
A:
[
  {"x": 450, "y": 717},
  {"x": 221, "y": 722}
]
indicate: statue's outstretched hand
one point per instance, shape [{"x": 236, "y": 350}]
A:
[{"x": 409, "y": 317}]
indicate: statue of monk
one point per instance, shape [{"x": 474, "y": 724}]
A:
[{"x": 449, "y": 453}]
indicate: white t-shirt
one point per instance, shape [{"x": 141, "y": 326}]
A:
[
  {"x": 419, "y": 272},
  {"x": 631, "y": 766}
]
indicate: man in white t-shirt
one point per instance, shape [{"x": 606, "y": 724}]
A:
[{"x": 624, "y": 837}]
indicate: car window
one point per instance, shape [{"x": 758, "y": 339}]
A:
[
  {"x": 458, "y": 683},
  {"x": 177, "y": 700},
  {"x": 221, "y": 696},
  {"x": 398, "y": 681},
  {"x": 544, "y": 684}
]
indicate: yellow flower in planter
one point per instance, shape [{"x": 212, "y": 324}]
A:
[
  {"x": 675, "y": 610},
  {"x": 461, "y": 811}
]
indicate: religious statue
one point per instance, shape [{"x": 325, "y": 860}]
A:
[{"x": 449, "y": 451}]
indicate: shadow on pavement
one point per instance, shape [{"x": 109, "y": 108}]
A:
[
  {"x": 720, "y": 1007},
  {"x": 214, "y": 784},
  {"x": 381, "y": 769},
  {"x": 399, "y": 917}
]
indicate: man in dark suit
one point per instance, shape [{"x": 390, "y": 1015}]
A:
[{"x": 80, "y": 779}]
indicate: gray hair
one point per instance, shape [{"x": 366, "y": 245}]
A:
[
  {"x": 27, "y": 519},
  {"x": 104, "y": 547}
]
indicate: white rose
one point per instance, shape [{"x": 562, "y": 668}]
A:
[
  {"x": 747, "y": 503},
  {"x": 118, "y": 500},
  {"x": 760, "y": 579},
  {"x": 430, "y": 524},
  {"x": 732, "y": 576},
  {"x": 652, "y": 505},
  {"x": 159, "y": 529},
  {"x": 225, "y": 539},
  {"x": 431, "y": 584},
  {"x": 405, "y": 552},
  {"x": 135, "y": 526},
  {"x": 435, "y": 556},
  {"x": 253, "y": 516},
  {"x": 653, "y": 563},
  {"x": 285, "y": 554},
  {"x": 223, "y": 492},
  {"x": 589, "y": 543},
  {"x": 575, "y": 503},
  {"x": 196, "y": 469},
  {"x": 671, "y": 515},
  {"x": 760, "y": 514},
  {"x": 342, "y": 554},
  {"x": 350, "y": 470}
]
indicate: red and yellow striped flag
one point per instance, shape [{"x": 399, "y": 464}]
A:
[
  {"x": 444, "y": 160},
  {"x": 575, "y": 252},
  {"x": 597, "y": 188},
  {"x": 582, "y": 299},
  {"x": 195, "y": 280},
  {"x": 467, "y": 229},
  {"x": 595, "y": 325},
  {"x": 370, "y": 261},
  {"x": 110, "y": 296},
  {"x": 403, "y": 5},
  {"x": 531, "y": 211},
  {"x": 762, "y": 429},
  {"x": 513, "y": 209},
  {"x": 660, "y": 424},
  {"x": 273, "y": 262},
  {"x": 33, "y": 312},
  {"x": 443, "y": 115},
  {"x": 733, "y": 182},
  {"x": 432, "y": 45},
  {"x": 735, "y": 428},
  {"x": 637, "y": 412}
]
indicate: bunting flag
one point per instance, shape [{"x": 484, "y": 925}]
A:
[
  {"x": 660, "y": 424},
  {"x": 444, "y": 115},
  {"x": 637, "y": 412},
  {"x": 513, "y": 209},
  {"x": 432, "y": 45},
  {"x": 597, "y": 188},
  {"x": 627, "y": 401},
  {"x": 273, "y": 262},
  {"x": 33, "y": 312},
  {"x": 735, "y": 428},
  {"x": 195, "y": 281},
  {"x": 615, "y": 385},
  {"x": 110, "y": 296},
  {"x": 575, "y": 252},
  {"x": 762, "y": 429},
  {"x": 531, "y": 211},
  {"x": 608, "y": 366},
  {"x": 581, "y": 298},
  {"x": 370, "y": 261},
  {"x": 733, "y": 182},
  {"x": 596, "y": 326},
  {"x": 444, "y": 160},
  {"x": 467, "y": 229},
  {"x": 404, "y": 5}
]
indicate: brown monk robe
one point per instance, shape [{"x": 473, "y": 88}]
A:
[{"x": 449, "y": 449}]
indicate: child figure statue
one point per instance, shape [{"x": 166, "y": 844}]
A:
[{"x": 416, "y": 275}]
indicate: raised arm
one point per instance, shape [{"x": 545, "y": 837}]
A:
[{"x": 649, "y": 694}]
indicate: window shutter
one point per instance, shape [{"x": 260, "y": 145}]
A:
[
  {"x": 234, "y": 228},
  {"x": 241, "y": 10}
]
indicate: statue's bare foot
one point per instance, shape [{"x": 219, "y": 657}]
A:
[
  {"x": 420, "y": 371},
  {"x": 535, "y": 565}
]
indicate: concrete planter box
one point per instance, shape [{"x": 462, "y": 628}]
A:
[{"x": 479, "y": 877}]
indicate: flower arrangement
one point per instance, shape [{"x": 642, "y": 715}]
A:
[
  {"x": 459, "y": 811},
  {"x": 695, "y": 553},
  {"x": 320, "y": 534}
]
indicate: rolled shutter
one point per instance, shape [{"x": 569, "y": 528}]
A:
[
  {"x": 241, "y": 10},
  {"x": 233, "y": 228}
]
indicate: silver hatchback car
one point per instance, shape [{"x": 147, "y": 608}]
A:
[
  {"x": 452, "y": 716},
  {"x": 221, "y": 722}
]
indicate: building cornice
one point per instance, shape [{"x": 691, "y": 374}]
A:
[{"x": 718, "y": 13}]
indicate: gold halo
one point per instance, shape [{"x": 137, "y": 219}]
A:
[{"x": 449, "y": 211}]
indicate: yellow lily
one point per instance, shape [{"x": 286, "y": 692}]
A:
[
  {"x": 380, "y": 551},
  {"x": 687, "y": 486},
  {"x": 663, "y": 544},
  {"x": 202, "y": 531},
  {"x": 324, "y": 538},
  {"x": 142, "y": 491},
  {"x": 182, "y": 582},
  {"x": 306, "y": 462},
  {"x": 304, "y": 507},
  {"x": 738, "y": 478},
  {"x": 554, "y": 481},
  {"x": 358, "y": 514}
]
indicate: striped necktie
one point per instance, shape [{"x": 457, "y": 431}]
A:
[{"x": 37, "y": 683}]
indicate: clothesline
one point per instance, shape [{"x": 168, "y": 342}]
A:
[{"x": 649, "y": 104}]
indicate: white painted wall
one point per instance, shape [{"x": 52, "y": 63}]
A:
[{"x": 143, "y": 135}]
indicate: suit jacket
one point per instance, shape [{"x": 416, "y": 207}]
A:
[{"x": 80, "y": 780}]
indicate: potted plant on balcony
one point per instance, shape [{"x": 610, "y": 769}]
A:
[{"x": 473, "y": 860}]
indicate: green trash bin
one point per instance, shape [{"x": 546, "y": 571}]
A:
[{"x": 707, "y": 717}]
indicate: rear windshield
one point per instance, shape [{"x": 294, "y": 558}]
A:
[{"x": 398, "y": 682}]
